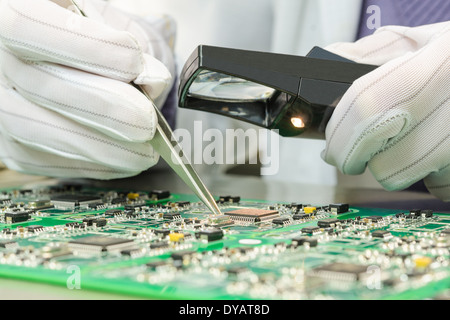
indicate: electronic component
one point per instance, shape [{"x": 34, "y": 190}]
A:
[
  {"x": 281, "y": 221},
  {"x": 98, "y": 222},
  {"x": 300, "y": 216},
  {"x": 210, "y": 234},
  {"x": 381, "y": 234},
  {"x": 219, "y": 221},
  {"x": 34, "y": 228},
  {"x": 309, "y": 210},
  {"x": 328, "y": 223},
  {"x": 252, "y": 215},
  {"x": 339, "y": 208},
  {"x": 98, "y": 244},
  {"x": 18, "y": 216},
  {"x": 159, "y": 245},
  {"x": 40, "y": 204},
  {"x": 159, "y": 194},
  {"x": 8, "y": 244},
  {"x": 172, "y": 216},
  {"x": 73, "y": 200},
  {"x": 340, "y": 272},
  {"x": 310, "y": 230},
  {"x": 176, "y": 237},
  {"x": 375, "y": 219}
]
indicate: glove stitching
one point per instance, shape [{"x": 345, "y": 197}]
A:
[
  {"x": 415, "y": 126},
  {"x": 86, "y": 111},
  {"x": 344, "y": 116},
  {"x": 368, "y": 54},
  {"x": 417, "y": 161},
  {"x": 63, "y": 167},
  {"x": 61, "y": 75},
  {"x": 408, "y": 99},
  {"x": 358, "y": 96},
  {"x": 80, "y": 134},
  {"x": 134, "y": 74},
  {"x": 73, "y": 32},
  {"x": 366, "y": 132}
]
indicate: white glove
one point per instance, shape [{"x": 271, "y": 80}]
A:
[
  {"x": 396, "y": 118},
  {"x": 66, "y": 106}
]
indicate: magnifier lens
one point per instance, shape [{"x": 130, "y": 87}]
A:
[{"x": 216, "y": 86}]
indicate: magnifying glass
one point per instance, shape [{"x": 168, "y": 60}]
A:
[{"x": 294, "y": 94}]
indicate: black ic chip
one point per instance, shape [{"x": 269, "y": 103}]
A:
[
  {"x": 375, "y": 218},
  {"x": 339, "y": 207},
  {"x": 159, "y": 194},
  {"x": 300, "y": 216},
  {"x": 212, "y": 234},
  {"x": 310, "y": 230},
  {"x": 280, "y": 221},
  {"x": 16, "y": 217},
  {"x": 327, "y": 223},
  {"x": 381, "y": 234}
]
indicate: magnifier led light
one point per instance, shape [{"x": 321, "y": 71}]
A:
[
  {"x": 297, "y": 122},
  {"x": 291, "y": 94}
]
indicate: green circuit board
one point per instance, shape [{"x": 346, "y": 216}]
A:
[{"x": 168, "y": 246}]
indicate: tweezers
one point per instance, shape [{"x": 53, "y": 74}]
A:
[{"x": 165, "y": 144}]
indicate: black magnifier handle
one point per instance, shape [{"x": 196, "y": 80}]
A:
[{"x": 293, "y": 94}]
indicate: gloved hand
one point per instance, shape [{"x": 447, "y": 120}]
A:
[
  {"x": 66, "y": 106},
  {"x": 396, "y": 118}
]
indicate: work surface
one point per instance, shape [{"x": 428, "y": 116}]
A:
[{"x": 306, "y": 250}]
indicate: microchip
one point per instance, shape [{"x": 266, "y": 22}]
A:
[
  {"x": 212, "y": 234},
  {"x": 375, "y": 218},
  {"x": 381, "y": 234},
  {"x": 181, "y": 258},
  {"x": 40, "y": 204},
  {"x": 300, "y": 216},
  {"x": 327, "y": 223},
  {"x": 15, "y": 217},
  {"x": 98, "y": 244},
  {"x": 182, "y": 203},
  {"x": 118, "y": 200},
  {"x": 113, "y": 212},
  {"x": 162, "y": 232},
  {"x": 172, "y": 216},
  {"x": 220, "y": 221},
  {"x": 159, "y": 245},
  {"x": 34, "y": 228},
  {"x": 252, "y": 215},
  {"x": 281, "y": 221},
  {"x": 340, "y": 272},
  {"x": 427, "y": 213},
  {"x": 231, "y": 199},
  {"x": 131, "y": 252},
  {"x": 159, "y": 194},
  {"x": 8, "y": 244},
  {"x": 74, "y": 200},
  {"x": 339, "y": 208},
  {"x": 99, "y": 222},
  {"x": 310, "y": 230},
  {"x": 154, "y": 265}
]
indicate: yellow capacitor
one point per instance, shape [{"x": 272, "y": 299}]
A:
[
  {"x": 422, "y": 262},
  {"x": 132, "y": 196},
  {"x": 309, "y": 210},
  {"x": 176, "y": 237}
]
